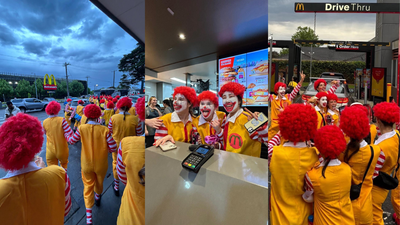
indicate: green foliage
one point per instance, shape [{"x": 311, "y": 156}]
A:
[
  {"x": 61, "y": 91},
  {"x": 6, "y": 89},
  {"x": 305, "y": 33},
  {"x": 134, "y": 64},
  {"x": 124, "y": 82},
  {"x": 285, "y": 51},
  {"x": 23, "y": 89},
  {"x": 76, "y": 88}
]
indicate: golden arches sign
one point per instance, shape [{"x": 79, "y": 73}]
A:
[
  {"x": 51, "y": 85},
  {"x": 299, "y": 7}
]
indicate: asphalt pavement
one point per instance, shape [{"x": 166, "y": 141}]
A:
[{"x": 107, "y": 212}]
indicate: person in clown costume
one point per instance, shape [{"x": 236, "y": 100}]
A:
[
  {"x": 56, "y": 129},
  {"x": 97, "y": 141},
  {"x": 279, "y": 102},
  {"x": 131, "y": 160},
  {"x": 320, "y": 86},
  {"x": 78, "y": 113},
  {"x": 328, "y": 183},
  {"x": 235, "y": 137},
  {"x": 103, "y": 106},
  {"x": 333, "y": 112},
  {"x": 30, "y": 193},
  {"x": 68, "y": 111},
  {"x": 123, "y": 125},
  {"x": 108, "y": 113},
  {"x": 177, "y": 126},
  {"x": 208, "y": 123},
  {"x": 290, "y": 162},
  {"x": 322, "y": 103}
]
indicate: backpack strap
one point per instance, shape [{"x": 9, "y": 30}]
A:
[{"x": 369, "y": 163}]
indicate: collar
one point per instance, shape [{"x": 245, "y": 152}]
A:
[
  {"x": 203, "y": 121},
  {"x": 175, "y": 118},
  {"x": 109, "y": 109},
  {"x": 277, "y": 97},
  {"x": 122, "y": 113},
  {"x": 52, "y": 116},
  {"x": 363, "y": 144},
  {"x": 385, "y": 136},
  {"x": 92, "y": 123},
  {"x": 29, "y": 168},
  {"x": 298, "y": 145},
  {"x": 333, "y": 162},
  {"x": 317, "y": 108},
  {"x": 331, "y": 112},
  {"x": 233, "y": 118}
]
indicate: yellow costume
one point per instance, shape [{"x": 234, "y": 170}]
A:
[
  {"x": 67, "y": 115},
  {"x": 79, "y": 111},
  {"x": 374, "y": 132},
  {"x": 108, "y": 113},
  {"x": 276, "y": 104},
  {"x": 321, "y": 118},
  {"x": 335, "y": 117},
  {"x": 132, "y": 209},
  {"x": 56, "y": 145},
  {"x": 36, "y": 197},
  {"x": 289, "y": 165},
  {"x": 204, "y": 128},
  {"x": 131, "y": 111},
  {"x": 174, "y": 127}
]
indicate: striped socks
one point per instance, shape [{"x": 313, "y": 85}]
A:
[
  {"x": 88, "y": 215},
  {"x": 96, "y": 196},
  {"x": 116, "y": 184}
]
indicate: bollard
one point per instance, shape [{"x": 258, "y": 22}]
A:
[{"x": 388, "y": 92}]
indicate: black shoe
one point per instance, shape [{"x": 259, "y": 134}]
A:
[
  {"x": 116, "y": 192},
  {"x": 97, "y": 202}
]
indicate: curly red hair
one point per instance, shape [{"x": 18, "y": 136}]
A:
[
  {"x": 188, "y": 92},
  {"x": 298, "y": 123},
  {"x": 81, "y": 102},
  {"x": 118, "y": 96},
  {"x": 317, "y": 82},
  {"x": 124, "y": 102},
  {"x": 21, "y": 138},
  {"x": 330, "y": 142},
  {"x": 92, "y": 111},
  {"x": 102, "y": 101},
  {"x": 361, "y": 106},
  {"x": 115, "y": 100},
  {"x": 140, "y": 110},
  {"x": 278, "y": 85},
  {"x": 53, "y": 108},
  {"x": 208, "y": 95},
  {"x": 354, "y": 122},
  {"x": 387, "y": 112},
  {"x": 110, "y": 105},
  {"x": 69, "y": 100},
  {"x": 319, "y": 95},
  {"x": 233, "y": 87},
  {"x": 332, "y": 97}
]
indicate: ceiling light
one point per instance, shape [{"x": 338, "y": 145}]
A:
[
  {"x": 182, "y": 36},
  {"x": 170, "y": 11},
  {"x": 179, "y": 80}
]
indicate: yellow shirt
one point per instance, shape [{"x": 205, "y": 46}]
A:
[
  {"x": 374, "y": 132},
  {"x": 79, "y": 110},
  {"x": 335, "y": 117},
  {"x": 132, "y": 210},
  {"x": 131, "y": 111},
  {"x": 108, "y": 113},
  {"x": 276, "y": 104},
  {"x": 288, "y": 167},
  {"x": 56, "y": 141},
  {"x": 123, "y": 128},
  {"x": 204, "y": 128},
  {"x": 35, "y": 197},
  {"x": 321, "y": 119},
  {"x": 175, "y": 127}
]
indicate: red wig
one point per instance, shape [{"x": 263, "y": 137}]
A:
[
  {"x": 387, "y": 112},
  {"x": 118, "y": 96},
  {"x": 354, "y": 122},
  {"x": 278, "y": 85},
  {"x": 321, "y": 94},
  {"x": 233, "y": 87},
  {"x": 361, "y": 106},
  {"x": 298, "y": 123},
  {"x": 140, "y": 110},
  {"x": 53, "y": 108},
  {"x": 110, "y": 98},
  {"x": 124, "y": 102},
  {"x": 330, "y": 142},
  {"x": 102, "y": 101},
  {"x": 69, "y": 100},
  {"x": 92, "y": 111},
  {"x": 332, "y": 97},
  {"x": 208, "y": 95},
  {"x": 110, "y": 105},
  {"x": 115, "y": 100},
  {"x": 188, "y": 92},
  {"x": 317, "y": 82},
  {"x": 21, "y": 138}
]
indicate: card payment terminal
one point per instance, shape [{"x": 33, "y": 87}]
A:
[{"x": 198, "y": 157}]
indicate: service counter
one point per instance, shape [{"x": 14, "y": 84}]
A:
[{"x": 229, "y": 189}]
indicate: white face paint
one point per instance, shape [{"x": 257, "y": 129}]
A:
[
  {"x": 281, "y": 91},
  {"x": 323, "y": 101},
  {"x": 207, "y": 109},
  {"x": 180, "y": 103},
  {"x": 230, "y": 101}
]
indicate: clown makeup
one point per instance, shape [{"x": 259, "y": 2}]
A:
[
  {"x": 332, "y": 105},
  {"x": 281, "y": 91},
  {"x": 180, "y": 103},
  {"x": 321, "y": 87},
  {"x": 230, "y": 101},
  {"x": 323, "y": 101},
  {"x": 207, "y": 109}
]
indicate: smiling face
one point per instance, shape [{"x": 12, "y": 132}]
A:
[
  {"x": 281, "y": 91},
  {"x": 207, "y": 109},
  {"x": 321, "y": 87},
  {"x": 230, "y": 102},
  {"x": 180, "y": 103},
  {"x": 154, "y": 102},
  {"x": 332, "y": 105},
  {"x": 323, "y": 101}
]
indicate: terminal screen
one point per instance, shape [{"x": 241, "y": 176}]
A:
[{"x": 202, "y": 151}]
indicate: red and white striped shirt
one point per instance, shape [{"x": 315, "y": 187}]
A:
[
  {"x": 379, "y": 164},
  {"x": 275, "y": 141},
  {"x": 68, "y": 203},
  {"x": 333, "y": 89},
  {"x": 121, "y": 167}
]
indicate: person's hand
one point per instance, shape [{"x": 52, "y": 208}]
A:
[
  {"x": 252, "y": 115},
  {"x": 155, "y": 123},
  {"x": 303, "y": 76},
  {"x": 39, "y": 162},
  {"x": 216, "y": 124},
  {"x": 163, "y": 140},
  {"x": 335, "y": 82},
  {"x": 280, "y": 109}
]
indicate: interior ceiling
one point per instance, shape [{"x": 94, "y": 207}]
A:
[{"x": 212, "y": 28}]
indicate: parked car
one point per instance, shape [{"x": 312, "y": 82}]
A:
[
  {"x": 72, "y": 98},
  {"x": 29, "y": 104},
  {"x": 342, "y": 91},
  {"x": 48, "y": 100},
  {"x": 74, "y": 103},
  {"x": 135, "y": 98}
]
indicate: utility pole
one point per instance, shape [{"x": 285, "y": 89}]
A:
[
  {"x": 87, "y": 85},
  {"x": 114, "y": 79},
  {"x": 66, "y": 76}
]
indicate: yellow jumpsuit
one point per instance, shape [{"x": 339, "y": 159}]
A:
[
  {"x": 177, "y": 130},
  {"x": 374, "y": 132},
  {"x": 67, "y": 117},
  {"x": 288, "y": 168},
  {"x": 94, "y": 161},
  {"x": 390, "y": 148},
  {"x": 205, "y": 129},
  {"x": 275, "y": 105},
  {"x": 335, "y": 117},
  {"x": 395, "y": 197},
  {"x": 108, "y": 113},
  {"x": 362, "y": 206},
  {"x": 103, "y": 106},
  {"x": 79, "y": 111},
  {"x": 321, "y": 119},
  {"x": 332, "y": 204},
  {"x": 122, "y": 128},
  {"x": 56, "y": 145},
  {"x": 131, "y": 111},
  {"x": 36, "y": 197},
  {"x": 132, "y": 210}
]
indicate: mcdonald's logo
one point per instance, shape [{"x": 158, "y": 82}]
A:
[
  {"x": 299, "y": 7},
  {"x": 235, "y": 141},
  {"x": 51, "y": 85}
]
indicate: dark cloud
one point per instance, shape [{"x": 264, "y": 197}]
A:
[
  {"x": 57, "y": 51},
  {"x": 7, "y": 36},
  {"x": 36, "y": 47},
  {"x": 91, "y": 28}
]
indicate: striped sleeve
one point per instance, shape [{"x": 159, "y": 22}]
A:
[
  {"x": 308, "y": 195},
  {"x": 139, "y": 128},
  {"x": 161, "y": 132},
  {"x": 121, "y": 167},
  {"x": 73, "y": 113},
  {"x": 75, "y": 138},
  {"x": 110, "y": 126},
  {"x": 296, "y": 90},
  {"x": 379, "y": 164},
  {"x": 333, "y": 89},
  {"x": 67, "y": 129},
  {"x": 112, "y": 145},
  {"x": 276, "y": 140},
  {"x": 378, "y": 132},
  {"x": 263, "y": 133},
  {"x": 66, "y": 109},
  {"x": 68, "y": 203}
]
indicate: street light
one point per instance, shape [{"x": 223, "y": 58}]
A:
[{"x": 311, "y": 62}]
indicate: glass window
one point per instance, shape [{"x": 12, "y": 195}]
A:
[{"x": 29, "y": 100}]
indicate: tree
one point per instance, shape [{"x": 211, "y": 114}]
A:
[
  {"x": 76, "y": 88},
  {"x": 6, "y": 89},
  {"x": 61, "y": 91},
  {"x": 305, "y": 33},
  {"x": 23, "y": 88},
  {"x": 134, "y": 64},
  {"x": 40, "y": 91},
  {"x": 284, "y": 51},
  {"x": 124, "y": 82}
]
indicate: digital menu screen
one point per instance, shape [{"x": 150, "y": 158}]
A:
[{"x": 250, "y": 70}]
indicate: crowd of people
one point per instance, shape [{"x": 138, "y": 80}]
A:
[{"x": 36, "y": 194}]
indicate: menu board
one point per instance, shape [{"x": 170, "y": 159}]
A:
[{"x": 250, "y": 70}]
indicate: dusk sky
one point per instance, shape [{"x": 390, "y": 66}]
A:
[{"x": 38, "y": 37}]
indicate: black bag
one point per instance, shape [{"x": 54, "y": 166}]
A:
[
  {"x": 384, "y": 180},
  {"x": 355, "y": 189}
]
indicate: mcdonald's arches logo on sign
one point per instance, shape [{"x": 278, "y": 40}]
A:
[
  {"x": 50, "y": 86},
  {"x": 299, "y": 7}
]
